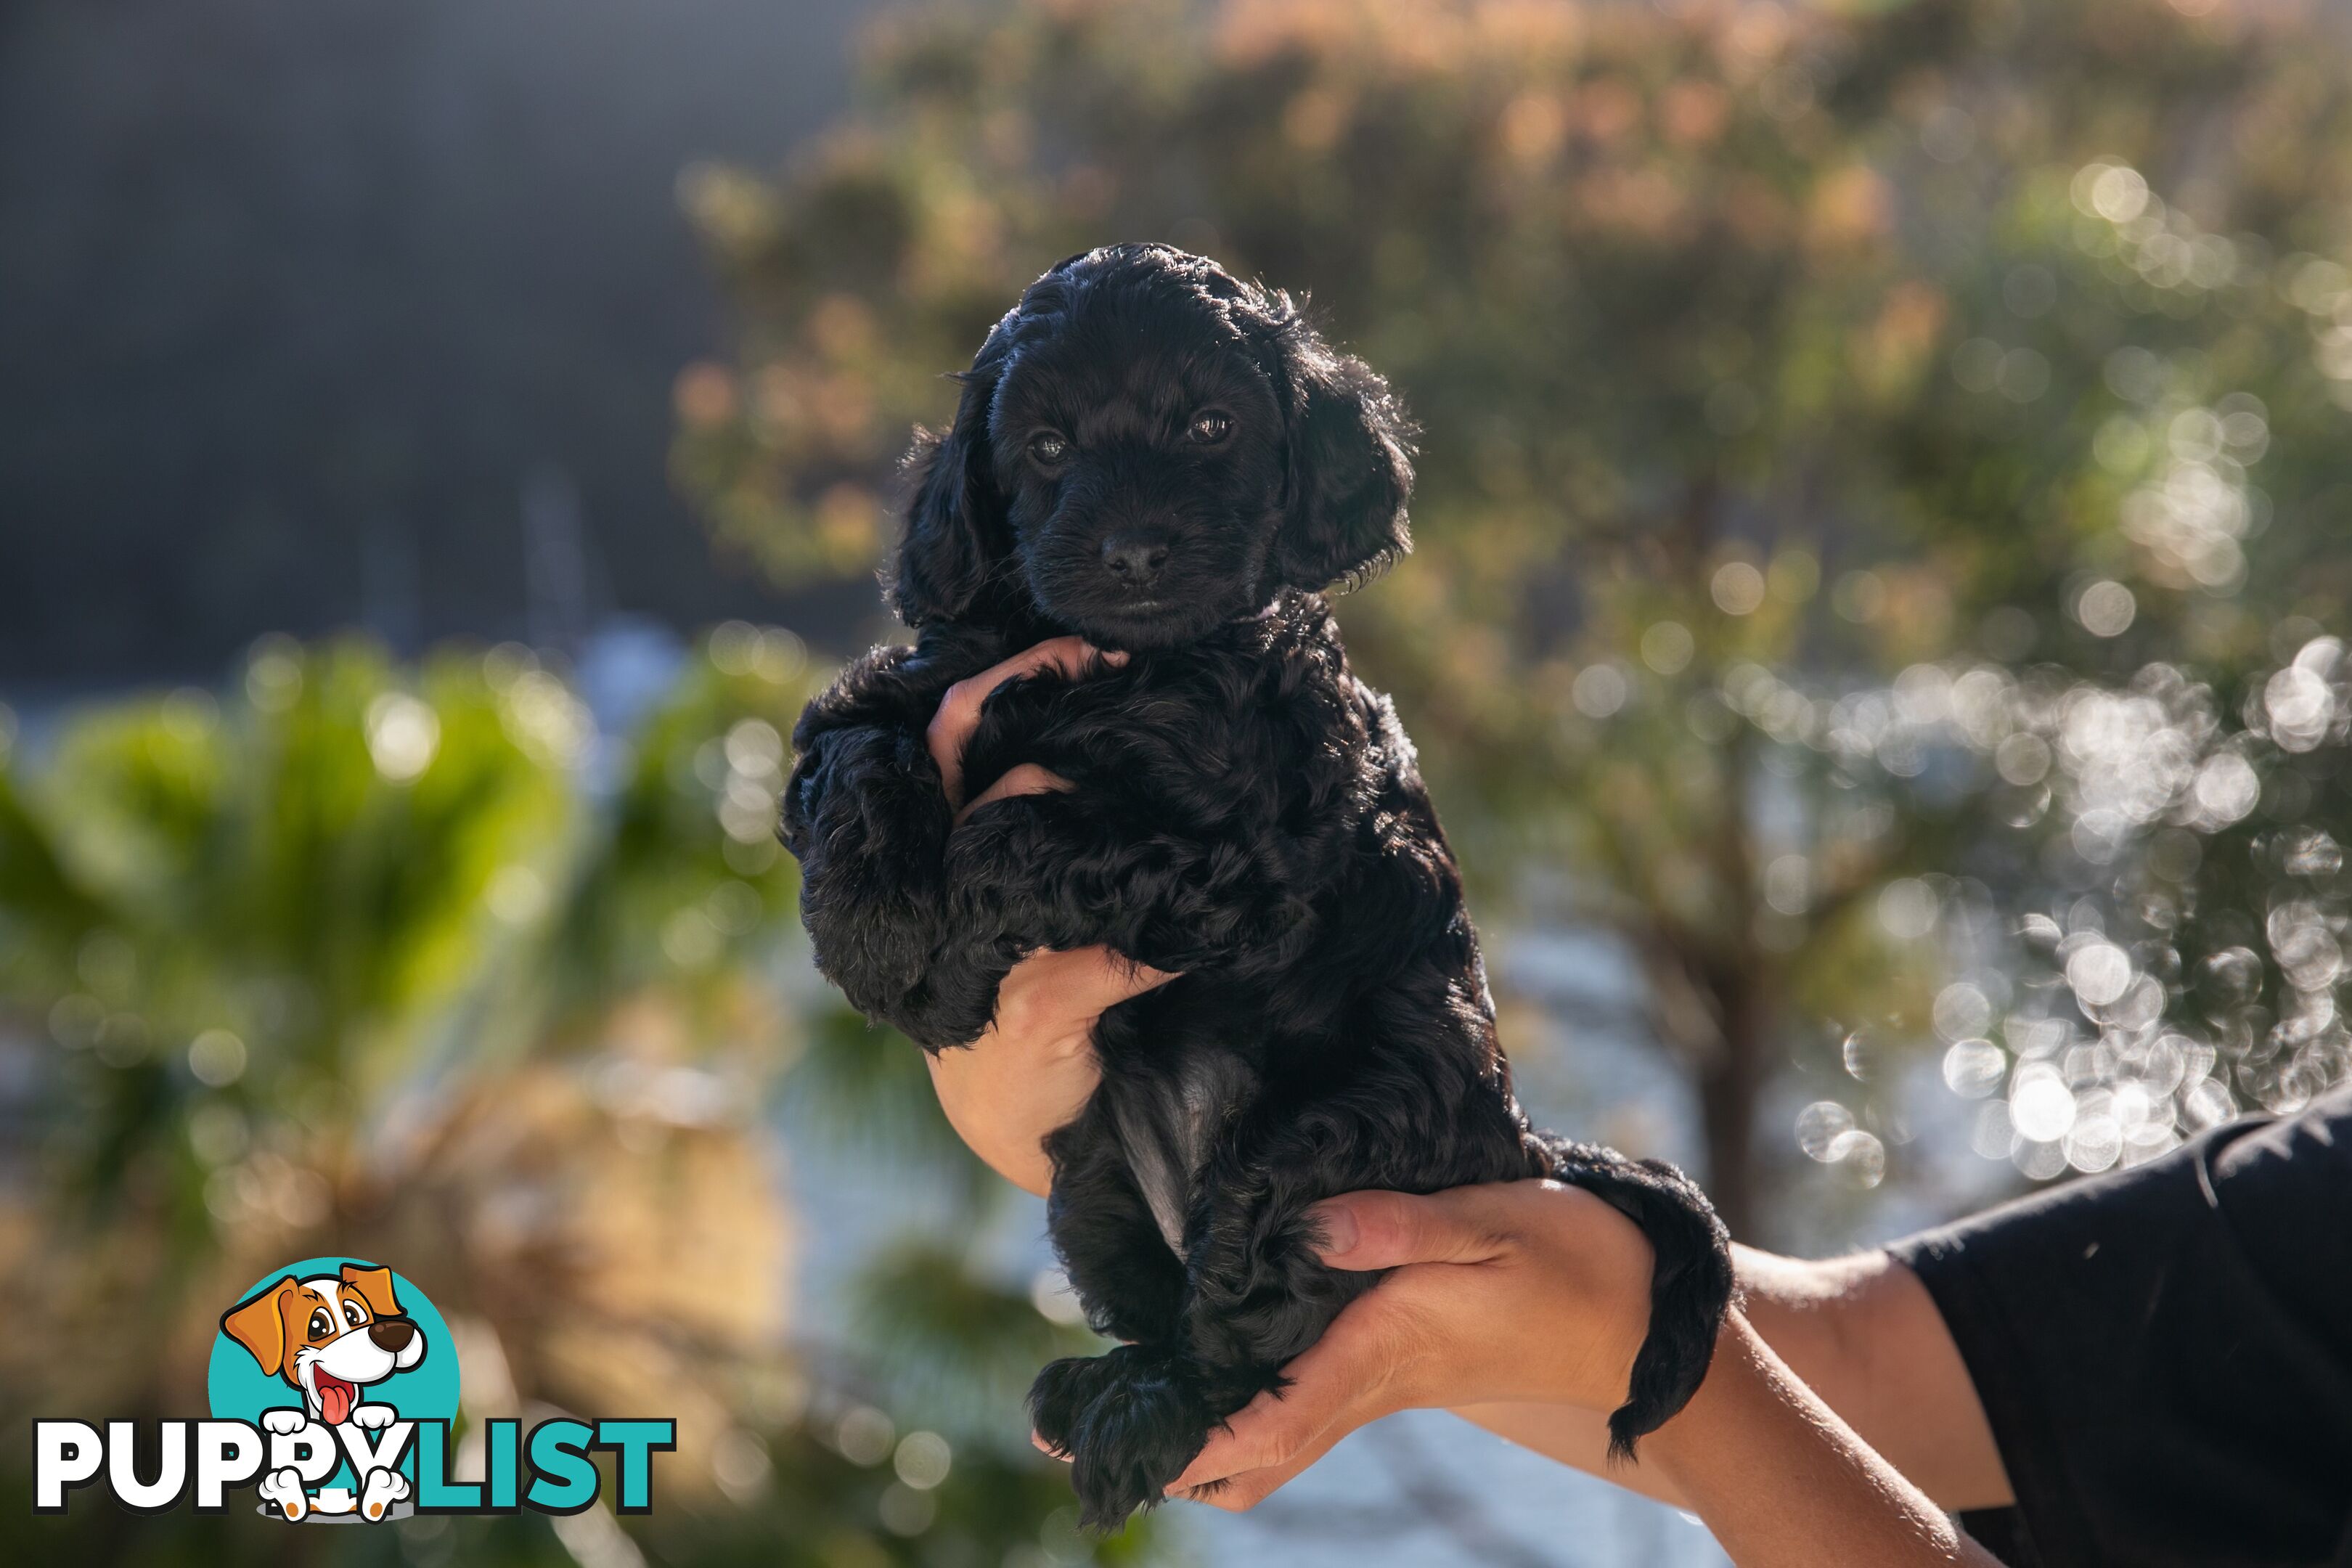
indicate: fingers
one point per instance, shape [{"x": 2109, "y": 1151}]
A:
[
  {"x": 1239, "y": 1492},
  {"x": 959, "y": 713},
  {"x": 1360, "y": 1370},
  {"x": 1236, "y": 1490},
  {"x": 1285, "y": 1433},
  {"x": 1355, "y": 1371},
  {"x": 1095, "y": 979},
  {"x": 1024, "y": 778},
  {"x": 1377, "y": 1356},
  {"x": 1368, "y": 1231}
]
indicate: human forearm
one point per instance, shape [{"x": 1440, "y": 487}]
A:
[
  {"x": 1867, "y": 1337},
  {"x": 1522, "y": 1304},
  {"x": 1573, "y": 1436},
  {"x": 1780, "y": 1480}
]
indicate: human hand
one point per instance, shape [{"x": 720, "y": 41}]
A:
[
  {"x": 951, "y": 727},
  {"x": 1033, "y": 1068},
  {"x": 1517, "y": 1292},
  {"x": 1531, "y": 1291}
]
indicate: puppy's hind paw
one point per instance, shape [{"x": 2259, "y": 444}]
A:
[
  {"x": 1060, "y": 1397},
  {"x": 283, "y": 1488},
  {"x": 1128, "y": 1422},
  {"x": 383, "y": 1488}
]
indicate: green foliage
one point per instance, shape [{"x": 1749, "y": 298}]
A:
[
  {"x": 304, "y": 874},
  {"x": 416, "y": 964},
  {"x": 956, "y": 1340},
  {"x": 876, "y": 1092},
  {"x": 1764, "y": 356}
]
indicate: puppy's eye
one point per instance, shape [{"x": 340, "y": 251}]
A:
[
  {"x": 321, "y": 1325},
  {"x": 353, "y": 1315},
  {"x": 1209, "y": 427},
  {"x": 1049, "y": 446}
]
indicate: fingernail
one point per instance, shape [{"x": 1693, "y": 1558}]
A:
[
  {"x": 1109, "y": 655},
  {"x": 1336, "y": 1228}
]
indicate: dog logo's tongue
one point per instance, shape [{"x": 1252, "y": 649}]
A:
[{"x": 334, "y": 1398}]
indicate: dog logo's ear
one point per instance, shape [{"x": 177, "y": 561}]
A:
[
  {"x": 1349, "y": 454},
  {"x": 375, "y": 1286},
  {"x": 956, "y": 531},
  {"x": 260, "y": 1325}
]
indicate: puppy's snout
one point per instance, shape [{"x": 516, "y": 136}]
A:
[
  {"x": 1135, "y": 558},
  {"x": 392, "y": 1333}
]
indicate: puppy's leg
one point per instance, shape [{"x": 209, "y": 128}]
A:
[
  {"x": 1259, "y": 1295},
  {"x": 1126, "y": 1275},
  {"x": 1690, "y": 1282},
  {"x": 864, "y": 814},
  {"x": 1132, "y": 1285},
  {"x": 1066, "y": 870}
]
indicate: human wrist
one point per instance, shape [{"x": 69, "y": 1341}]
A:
[
  {"x": 1604, "y": 1266},
  {"x": 997, "y": 1122},
  {"x": 1009, "y": 1089},
  {"x": 1033, "y": 1068},
  {"x": 1691, "y": 1438}
]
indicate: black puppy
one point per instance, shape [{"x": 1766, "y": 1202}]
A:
[{"x": 1170, "y": 462}]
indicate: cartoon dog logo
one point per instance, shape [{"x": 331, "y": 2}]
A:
[{"x": 329, "y": 1337}]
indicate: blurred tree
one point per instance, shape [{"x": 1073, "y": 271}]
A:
[
  {"x": 419, "y": 965},
  {"x": 1779, "y": 370}
]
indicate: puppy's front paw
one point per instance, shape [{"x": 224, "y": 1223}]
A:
[
  {"x": 285, "y": 1422},
  {"x": 373, "y": 1417}
]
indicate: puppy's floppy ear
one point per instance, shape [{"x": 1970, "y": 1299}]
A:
[
  {"x": 1350, "y": 454},
  {"x": 375, "y": 1286},
  {"x": 260, "y": 1325},
  {"x": 957, "y": 531}
]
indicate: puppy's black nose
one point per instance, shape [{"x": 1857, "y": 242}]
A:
[
  {"x": 392, "y": 1333},
  {"x": 1135, "y": 558}
]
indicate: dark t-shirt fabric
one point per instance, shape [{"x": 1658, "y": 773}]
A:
[{"x": 2164, "y": 1353}]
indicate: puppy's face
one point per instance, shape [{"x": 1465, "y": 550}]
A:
[
  {"x": 1146, "y": 449},
  {"x": 1138, "y": 445},
  {"x": 331, "y": 1335},
  {"x": 341, "y": 1345}
]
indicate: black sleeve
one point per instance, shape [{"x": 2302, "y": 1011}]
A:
[{"x": 2165, "y": 1353}]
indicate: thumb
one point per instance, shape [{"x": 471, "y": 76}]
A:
[
  {"x": 1368, "y": 1231},
  {"x": 1105, "y": 977}
]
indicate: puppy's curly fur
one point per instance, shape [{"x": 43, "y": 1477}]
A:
[{"x": 1170, "y": 462}]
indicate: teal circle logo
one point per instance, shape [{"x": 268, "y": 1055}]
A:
[{"x": 326, "y": 1356}]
